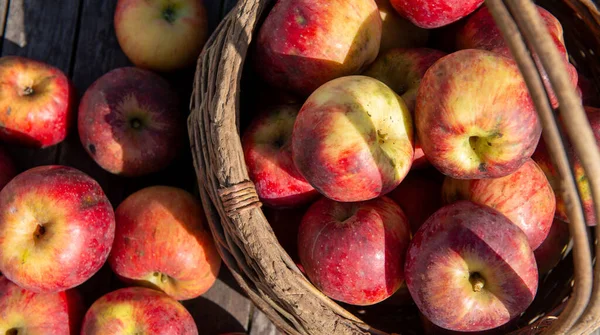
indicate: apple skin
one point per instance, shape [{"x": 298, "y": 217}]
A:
[
  {"x": 160, "y": 242},
  {"x": 353, "y": 139},
  {"x": 36, "y": 103},
  {"x": 456, "y": 247},
  {"x": 481, "y": 32},
  {"x": 398, "y": 32},
  {"x": 130, "y": 123},
  {"x": 524, "y": 196},
  {"x": 138, "y": 310},
  {"x": 354, "y": 252},
  {"x": 38, "y": 313},
  {"x": 550, "y": 252},
  {"x": 267, "y": 145},
  {"x": 402, "y": 70},
  {"x": 305, "y": 43},
  {"x": 56, "y": 228},
  {"x": 474, "y": 116},
  {"x": 8, "y": 169},
  {"x": 435, "y": 13},
  {"x": 161, "y": 35}
]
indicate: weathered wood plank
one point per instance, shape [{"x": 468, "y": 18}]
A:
[
  {"x": 261, "y": 325},
  {"x": 3, "y": 16}
]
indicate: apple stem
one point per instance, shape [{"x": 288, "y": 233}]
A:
[
  {"x": 477, "y": 281},
  {"x": 169, "y": 14},
  {"x": 28, "y": 90},
  {"x": 135, "y": 123},
  {"x": 39, "y": 231},
  {"x": 163, "y": 278}
]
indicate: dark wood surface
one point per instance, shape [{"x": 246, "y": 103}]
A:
[{"x": 77, "y": 36}]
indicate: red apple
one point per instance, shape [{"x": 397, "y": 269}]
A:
[
  {"x": 398, "y": 32},
  {"x": 354, "y": 252},
  {"x": 435, "y": 13},
  {"x": 7, "y": 168},
  {"x": 268, "y": 154},
  {"x": 138, "y": 310},
  {"x": 305, "y": 43},
  {"x": 161, "y": 242},
  {"x": 353, "y": 139},
  {"x": 162, "y": 35},
  {"x": 474, "y": 116},
  {"x": 524, "y": 196},
  {"x": 550, "y": 252},
  {"x": 36, "y": 102},
  {"x": 26, "y": 312},
  {"x": 469, "y": 268},
  {"x": 481, "y": 32},
  {"x": 56, "y": 228},
  {"x": 130, "y": 122},
  {"x": 430, "y": 328}
]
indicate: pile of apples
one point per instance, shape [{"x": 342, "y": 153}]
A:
[{"x": 390, "y": 163}]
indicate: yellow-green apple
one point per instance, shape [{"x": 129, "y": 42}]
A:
[
  {"x": 36, "y": 102},
  {"x": 402, "y": 70},
  {"x": 481, "y": 32},
  {"x": 268, "y": 153},
  {"x": 130, "y": 122},
  {"x": 474, "y": 116},
  {"x": 56, "y": 228},
  {"x": 161, "y": 242},
  {"x": 469, "y": 268},
  {"x": 353, "y": 139},
  {"x": 8, "y": 169},
  {"x": 398, "y": 32},
  {"x": 542, "y": 158},
  {"x": 138, "y": 310},
  {"x": 161, "y": 35},
  {"x": 524, "y": 196},
  {"x": 435, "y": 13},
  {"x": 354, "y": 252},
  {"x": 305, "y": 43},
  {"x": 550, "y": 252}
]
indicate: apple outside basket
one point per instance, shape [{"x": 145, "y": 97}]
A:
[{"x": 568, "y": 299}]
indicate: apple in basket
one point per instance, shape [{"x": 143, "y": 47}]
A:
[
  {"x": 550, "y": 252},
  {"x": 435, "y": 13},
  {"x": 398, "y": 32},
  {"x": 27, "y": 312},
  {"x": 474, "y": 116},
  {"x": 56, "y": 228},
  {"x": 138, "y": 310},
  {"x": 7, "y": 167},
  {"x": 469, "y": 268}
]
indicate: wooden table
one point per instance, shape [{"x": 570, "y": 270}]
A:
[{"x": 77, "y": 36}]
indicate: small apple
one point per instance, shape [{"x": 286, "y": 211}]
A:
[
  {"x": 138, "y": 310},
  {"x": 36, "y": 102},
  {"x": 7, "y": 168},
  {"x": 56, "y": 228},
  {"x": 550, "y": 252},
  {"x": 27, "y": 312},
  {"x": 474, "y": 116},
  {"x": 398, "y": 32},
  {"x": 354, "y": 252},
  {"x": 353, "y": 139},
  {"x": 435, "y": 13},
  {"x": 161, "y": 35},
  {"x": 160, "y": 242},
  {"x": 305, "y": 43},
  {"x": 469, "y": 268},
  {"x": 130, "y": 122}
]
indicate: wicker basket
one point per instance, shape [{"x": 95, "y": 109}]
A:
[{"x": 270, "y": 277}]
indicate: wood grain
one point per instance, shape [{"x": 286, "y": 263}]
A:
[
  {"x": 261, "y": 325},
  {"x": 3, "y": 16}
]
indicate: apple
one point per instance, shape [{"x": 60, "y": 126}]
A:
[
  {"x": 36, "y": 102},
  {"x": 130, "y": 122},
  {"x": 469, "y": 268},
  {"x": 354, "y": 252},
  {"x": 303, "y": 44},
  {"x": 430, "y": 328},
  {"x": 56, "y": 228},
  {"x": 402, "y": 70},
  {"x": 161, "y": 35},
  {"x": 27, "y": 312},
  {"x": 353, "y": 139},
  {"x": 481, "y": 32},
  {"x": 550, "y": 252},
  {"x": 435, "y": 13},
  {"x": 161, "y": 242},
  {"x": 524, "y": 196},
  {"x": 138, "y": 310},
  {"x": 398, "y": 32},
  {"x": 474, "y": 116},
  {"x": 8, "y": 169},
  {"x": 268, "y": 153}
]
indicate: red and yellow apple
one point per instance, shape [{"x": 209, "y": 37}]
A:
[
  {"x": 56, "y": 228},
  {"x": 474, "y": 116},
  {"x": 160, "y": 242},
  {"x": 435, "y": 13},
  {"x": 469, "y": 268},
  {"x": 161, "y": 35},
  {"x": 36, "y": 102},
  {"x": 550, "y": 252},
  {"x": 353, "y": 139},
  {"x": 130, "y": 122},
  {"x": 8, "y": 169},
  {"x": 354, "y": 252},
  {"x": 398, "y": 32},
  {"x": 305, "y": 43},
  {"x": 138, "y": 310}
]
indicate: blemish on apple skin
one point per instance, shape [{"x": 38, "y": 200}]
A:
[
  {"x": 92, "y": 149},
  {"x": 8, "y": 111},
  {"x": 482, "y": 167}
]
